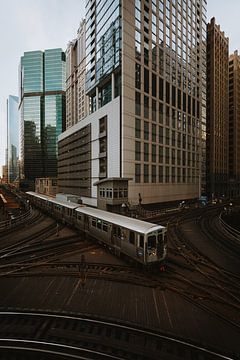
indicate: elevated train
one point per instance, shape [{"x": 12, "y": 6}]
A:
[{"x": 141, "y": 241}]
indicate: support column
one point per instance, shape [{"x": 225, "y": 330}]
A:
[{"x": 113, "y": 86}]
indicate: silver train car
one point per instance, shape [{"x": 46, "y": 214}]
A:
[{"x": 138, "y": 240}]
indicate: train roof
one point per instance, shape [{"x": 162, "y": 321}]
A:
[
  {"x": 67, "y": 204},
  {"x": 120, "y": 220}
]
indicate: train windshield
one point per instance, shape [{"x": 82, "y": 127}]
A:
[{"x": 151, "y": 242}]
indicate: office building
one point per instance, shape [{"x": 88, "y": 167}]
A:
[
  {"x": 217, "y": 111},
  {"x": 234, "y": 125},
  {"x": 43, "y": 111},
  {"x": 75, "y": 78},
  {"x": 12, "y": 138},
  {"x": 145, "y": 85}
]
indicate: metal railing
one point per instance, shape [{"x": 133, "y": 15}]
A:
[{"x": 12, "y": 222}]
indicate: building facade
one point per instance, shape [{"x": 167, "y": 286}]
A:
[
  {"x": 46, "y": 186},
  {"x": 43, "y": 112},
  {"x": 76, "y": 106},
  {"x": 234, "y": 125},
  {"x": 217, "y": 111},
  {"x": 145, "y": 83},
  {"x": 12, "y": 139}
]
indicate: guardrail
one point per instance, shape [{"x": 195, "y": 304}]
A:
[
  {"x": 229, "y": 229},
  {"x": 140, "y": 211},
  {"x": 11, "y": 223}
]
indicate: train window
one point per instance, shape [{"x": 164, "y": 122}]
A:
[
  {"x": 151, "y": 241},
  {"x": 132, "y": 237},
  {"x": 94, "y": 222},
  {"x": 160, "y": 237},
  {"x": 141, "y": 241},
  {"x": 99, "y": 224},
  {"x": 105, "y": 226},
  {"x": 119, "y": 233}
]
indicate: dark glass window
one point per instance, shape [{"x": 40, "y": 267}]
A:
[
  {"x": 138, "y": 76},
  {"x": 137, "y": 103},
  {"x": 154, "y": 85},
  {"x": 154, "y": 175},
  {"x": 146, "y": 80},
  {"x": 137, "y": 150},
  {"x": 146, "y": 130},
  {"x": 138, "y": 128},
  {"x": 167, "y": 92},
  {"x": 161, "y": 89},
  {"x": 146, "y": 107},
  {"x": 137, "y": 173},
  {"x": 146, "y": 173}
]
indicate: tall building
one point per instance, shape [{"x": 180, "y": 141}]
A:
[
  {"x": 42, "y": 107},
  {"x": 12, "y": 138},
  {"x": 234, "y": 124},
  {"x": 75, "y": 78},
  {"x": 145, "y": 84},
  {"x": 217, "y": 110}
]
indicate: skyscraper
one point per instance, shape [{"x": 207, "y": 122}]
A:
[
  {"x": 12, "y": 138},
  {"x": 234, "y": 124},
  {"x": 145, "y": 82},
  {"x": 217, "y": 111},
  {"x": 42, "y": 107},
  {"x": 75, "y": 77}
]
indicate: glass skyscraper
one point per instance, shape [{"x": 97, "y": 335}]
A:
[
  {"x": 42, "y": 107},
  {"x": 12, "y": 138}
]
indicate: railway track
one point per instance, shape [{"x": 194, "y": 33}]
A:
[
  {"x": 200, "y": 280},
  {"x": 55, "y": 336}
]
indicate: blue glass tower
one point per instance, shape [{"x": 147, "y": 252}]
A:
[{"x": 42, "y": 107}]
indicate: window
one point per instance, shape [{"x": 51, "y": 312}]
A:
[
  {"x": 146, "y": 80},
  {"x": 146, "y": 173},
  {"x": 141, "y": 241},
  {"x": 161, "y": 174},
  {"x": 137, "y": 173},
  {"x": 154, "y": 174},
  {"x": 132, "y": 237},
  {"x": 146, "y": 152},
  {"x": 154, "y": 85},
  {"x": 146, "y": 107},
  {"x": 137, "y": 151},
  {"x": 105, "y": 226},
  {"x": 138, "y": 128},
  {"x": 138, "y": 76},
  {"x": 99, "y": 224},
  {"x": 154, "y": 153},
  {"x": 137, "y": 103},
  {"x": 146, "y": 130}
]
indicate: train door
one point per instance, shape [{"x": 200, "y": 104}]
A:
[
  {"x": 116, "y": 236},
  {"x": 140, "y": 247},
  {"x": 86, "y": 224}
]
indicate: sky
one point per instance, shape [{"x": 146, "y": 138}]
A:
[
  {"x": 43, "y": 24},
  {"x": 31, "y": 25}
]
